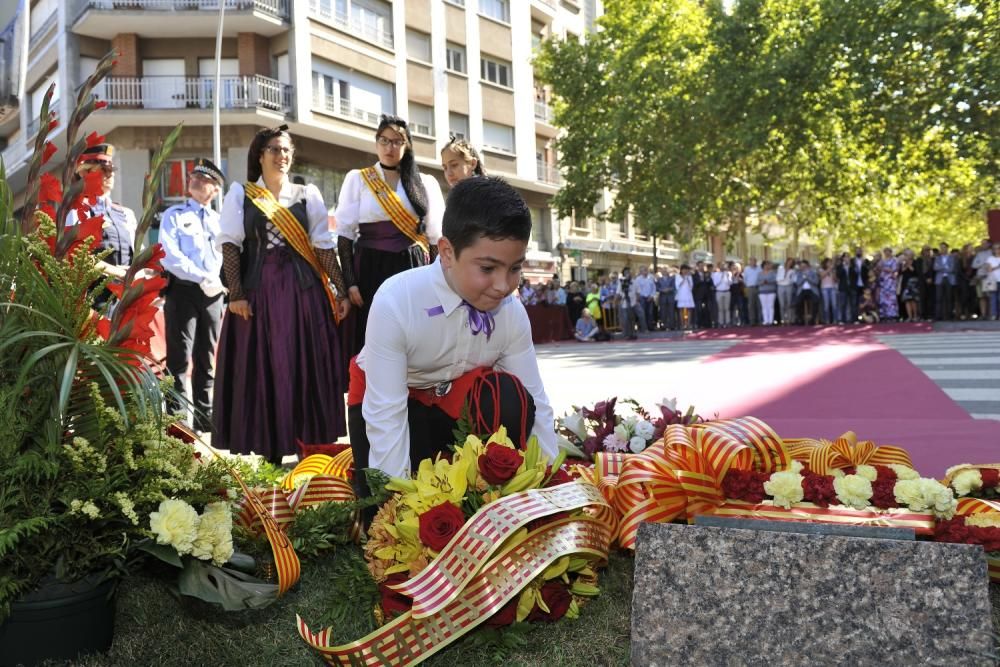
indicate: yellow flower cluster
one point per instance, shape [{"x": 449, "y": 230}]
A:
[
  {"x": 87, "y": 508},
  {"x": 853, "y": 490},
  {"x": 214, "y": 540},
  {"x": 923, "y": 494},
  {"x": 175, "y": 523},
  {"x": 785, "y": 488},
  {"x": 84, "y": 457},
  {"x": 984, "y": 520},
  {"x": 207, "y": 537},
  {"x": 967, "y": 481}
]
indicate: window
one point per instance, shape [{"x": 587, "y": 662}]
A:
[
  {"x": 455, "y": 57},
  {"x": 349, "y": 93},
  {"x": 498, "y": 137},
  {"x": 458, "y": 124},
  {"x": 495, "y": 71},
  {"x": 418, "y": 45},
  {"x": 495, "y": 9},
  {"x": 421, "y": 119},
  {"x": 370, "y": 20}
]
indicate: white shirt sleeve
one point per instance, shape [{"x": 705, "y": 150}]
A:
[
  {"x": 520, "y": 361},
  {"x": 386, "y": 392},
  {"x": 231, "y": 219},
  {"x": 319, "y": 226},
  {"x": 435, "y": 208},
  {"x": 348, "y": 211}
]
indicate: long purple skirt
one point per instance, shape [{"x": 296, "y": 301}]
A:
[{"x": 279, "y": 375}]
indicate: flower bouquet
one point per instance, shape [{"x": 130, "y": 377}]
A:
[
  {"x": 976, "y": 521},
  {"x": 629, "y": 429},
  {"x": 494, "y": 536},
  {"x": 974, "y": 481}
]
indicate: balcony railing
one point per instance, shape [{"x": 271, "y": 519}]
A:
[
  {"x": 44, "y": 27},
  {"x": 275, "y": 8},
  {"x": 548, "y": 173},
  {"x": 543, "y": 112},
  {"x": 326, "y": 10},
  {"x": 344, "y": 108},
  {"x": 181, "y": 92}
]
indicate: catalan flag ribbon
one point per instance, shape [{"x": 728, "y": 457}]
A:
[{"x": 822, "y": 455}]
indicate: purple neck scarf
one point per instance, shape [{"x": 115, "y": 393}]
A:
[{"x": 480, "y": 321}]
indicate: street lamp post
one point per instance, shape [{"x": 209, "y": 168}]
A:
[{"x": 216, "y": 120}]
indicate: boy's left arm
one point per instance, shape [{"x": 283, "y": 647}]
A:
[{"x": 518, "y": 358}]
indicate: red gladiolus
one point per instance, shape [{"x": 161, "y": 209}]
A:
[
  {"x": 53, "y": 123},
  {"x": 93, "y": 184},
  {"x": 94, "y": 139},
  {"x": 49, "y": 189},
  {"x": 48, "y": 152}
]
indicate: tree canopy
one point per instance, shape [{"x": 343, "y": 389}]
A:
[{"x": 872, "y": 121}]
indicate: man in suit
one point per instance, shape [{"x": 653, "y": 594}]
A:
[
  {"x": 703, "y": 290},
  {"x": 945, "y": 281},
  {"x": 192, "y": 308},
  {"x": 859, "y": 280}
]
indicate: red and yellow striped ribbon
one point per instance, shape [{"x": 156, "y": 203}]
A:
[
  {"x": 408, "y": 640},
  {"x": 320, "y": 464},
  {"x": 293, "y": 232},
  {"x": 970, "y": 506},
  {"x": 822, "y": 455},
  {"x": 681, "y": 476},
  {"x": 404, "y": 221},
  {"x": 445, "y": 578}
]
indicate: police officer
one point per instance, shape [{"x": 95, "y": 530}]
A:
[
  {"x": 193, "y": 298},
  {"x": 119, "y": 221}
]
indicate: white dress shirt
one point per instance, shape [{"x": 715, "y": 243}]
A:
[
  {"x": 187, "y": 234},
  {"x": 418, "y": 337},
  {"x": 645, "y": 285},
  {"x": 357, "y": 205},
  {"x": 751, "y": 276},
  {"x": 231, "y": 229},
  {"x": 723, "y": 281}
]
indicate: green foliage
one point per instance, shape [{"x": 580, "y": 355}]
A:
[{"x": 861, "y": 121}]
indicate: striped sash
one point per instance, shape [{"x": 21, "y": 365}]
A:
[
  {"x": 390, "y": 202},
  {"x": 293, "y": 232}
]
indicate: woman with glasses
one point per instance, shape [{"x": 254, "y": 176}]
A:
[
  {"x": 119, "y": 221},
  {"x": 388, "y": 220},
  {"x": 279, "y": 378}
]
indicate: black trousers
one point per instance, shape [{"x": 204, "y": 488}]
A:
[
  {"x": 431, "y": 428},
  {"x": 193, "y": 321}
]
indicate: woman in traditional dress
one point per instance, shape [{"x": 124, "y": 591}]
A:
[
  {"x": 460, "y": 160},
  {"x": 888, "y": 272},
  {"x": 388, "y": 220},
  {"x": 279, "y": 377}
]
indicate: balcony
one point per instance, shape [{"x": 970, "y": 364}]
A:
[
  {"x": 43, "y": 28},
  {"x": 543, "y": 112},
  {"x": 343, "y": 108},
  {"x": 179, "y": 18},
  {"x": 366, "y": 30},
  {"x": 180, "y": 92},
  {"x": 548, "y": 173}
]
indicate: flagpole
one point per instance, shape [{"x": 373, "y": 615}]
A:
[{"x": 216, "y": 131}]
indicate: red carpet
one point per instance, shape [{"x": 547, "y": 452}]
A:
[{"x": 847, "y": 380}]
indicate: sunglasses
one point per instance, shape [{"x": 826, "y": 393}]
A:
[{"x": 94, "y": 166}]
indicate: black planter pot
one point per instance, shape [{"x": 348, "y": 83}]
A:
[{"x": 59, "y": 622}]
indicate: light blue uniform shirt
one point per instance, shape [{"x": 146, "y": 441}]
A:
[{"x": 187, "y": 233}]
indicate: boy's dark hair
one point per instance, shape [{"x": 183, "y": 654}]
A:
[{"x": 486, "y": 206}]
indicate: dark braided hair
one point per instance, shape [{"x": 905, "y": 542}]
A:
[
  {"x": 257, "y": 148},
  {"x": 408, "y": 172},
  {"x": 467, "y": 151}
]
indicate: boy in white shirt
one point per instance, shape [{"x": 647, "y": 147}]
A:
[{"x": 450, "y": 334}]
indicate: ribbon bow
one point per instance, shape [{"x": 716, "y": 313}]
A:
[
  {"x": 480, "y": 321},
  {"x": 822, "y": 455}
]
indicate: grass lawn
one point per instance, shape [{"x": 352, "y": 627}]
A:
[{"x": 155, "y": 628}]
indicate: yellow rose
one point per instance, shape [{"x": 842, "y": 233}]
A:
[
  {"x": 175, "y": 523},
  {"x": 853, "y": 490},
  {"x": 868, "y": 472},
  {"x": 785, "y": 488},
  {"x": 967, "y": 481}
]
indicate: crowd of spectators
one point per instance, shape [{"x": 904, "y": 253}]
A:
[{"x": 936, "y": 284}]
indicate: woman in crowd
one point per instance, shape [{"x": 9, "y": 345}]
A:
[
  {"x": 991, "y": 281},
  {"x": 685, "y": 295},
  {"x": 828, "y": 290},
  {"x": 460, "y": 160},
  {"x": 593, "y": 304},
  {"x": 388, "y": 220},
  {"x": 738, "y": 296},
  {"x": 887, "y": 273},
  {"x": 844, "y": 288},
  {"x": 279, "y": 377},
  {"x": 965, "y": 301},
  {"x": 767, "y": 291},
  {"x": 909, "y": 292},
  {"x": 786, "y": 290},
  {"x": 576, "y": 301}
]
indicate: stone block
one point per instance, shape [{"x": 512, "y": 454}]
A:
[{"x": 717, "y": 596}]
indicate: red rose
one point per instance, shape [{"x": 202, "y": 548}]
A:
[
  {"x": 883, "y": 493},
  {"x": 499, "y": 463},
  {"x": 818, "y": 489},
  {"x": 505, "y": 616},
  {"x": 439, "y": 524},
  {"x": 557, "y": 598},
  {"x": 560, "y": 476},
  {"x": 393, "y": 603}
]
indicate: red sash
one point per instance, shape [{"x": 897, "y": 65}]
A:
[{"x": 451, "y": 403}]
